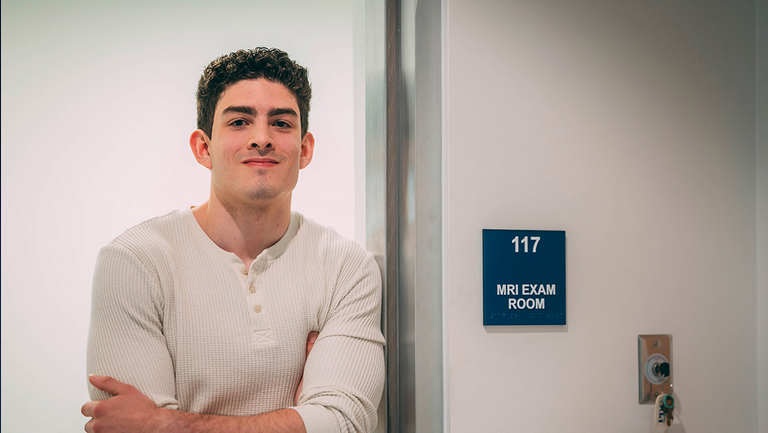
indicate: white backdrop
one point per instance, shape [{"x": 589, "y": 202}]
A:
[{"x": 97, "y": 108}]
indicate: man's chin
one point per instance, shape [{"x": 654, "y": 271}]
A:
[{"x": 263, "y": 194}]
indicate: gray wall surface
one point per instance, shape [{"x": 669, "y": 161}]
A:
[
  {"x": 631, "y": 125},
  {"x": 761, "y": 73}
]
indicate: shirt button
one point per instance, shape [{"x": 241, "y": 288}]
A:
[
  {"x": 244, "y": 270},
  {"x": 252, "y": 288},
  {"x": 257, "y": 308}
]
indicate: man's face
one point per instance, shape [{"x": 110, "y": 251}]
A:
[{"x": 255, "y": 150}]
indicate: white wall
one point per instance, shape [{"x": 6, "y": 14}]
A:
[
  {"x": 97, "y": 108},
  {"x": 631, "y": 125}
]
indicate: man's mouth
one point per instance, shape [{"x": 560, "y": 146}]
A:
[{"x": 260, "y": 162}]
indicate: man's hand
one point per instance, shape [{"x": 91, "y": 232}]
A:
[
  {"x": 311, "y": 338},
  {"x": 128, "y": 411}
]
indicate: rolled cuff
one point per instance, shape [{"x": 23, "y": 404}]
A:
[{"x": 317, "y": 419}]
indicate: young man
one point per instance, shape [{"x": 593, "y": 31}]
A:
[{"x": 202, "y": 319}]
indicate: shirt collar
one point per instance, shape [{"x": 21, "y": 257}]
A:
[{"x": 268, "y": 254}]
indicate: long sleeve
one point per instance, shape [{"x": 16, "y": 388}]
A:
[
  {"x": 126, "y": 339},
  {"x": 344, "y": 372}
]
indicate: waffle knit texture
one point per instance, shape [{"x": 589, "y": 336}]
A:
[{"x": 192, "y": 328}]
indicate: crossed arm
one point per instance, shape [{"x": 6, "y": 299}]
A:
[{"x": 130, "y": 411}]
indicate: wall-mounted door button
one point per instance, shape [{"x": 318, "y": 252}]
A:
[{"x": 654, "y": 364}]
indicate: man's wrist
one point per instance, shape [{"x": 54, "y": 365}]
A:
[
  {"x": 166, "y": 420},
  {"x": 176, "y": 421}
]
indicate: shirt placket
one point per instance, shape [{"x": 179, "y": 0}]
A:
[{"x": 256, "y": 302}]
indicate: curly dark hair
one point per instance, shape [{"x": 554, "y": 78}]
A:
[{"x": 269, "y": 63}]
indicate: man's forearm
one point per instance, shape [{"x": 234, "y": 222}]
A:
[
  {"x": 284, "y": 420},
  {"x": 130, "y": 411}
]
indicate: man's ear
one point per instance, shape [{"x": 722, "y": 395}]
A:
[
  {"x": 199, "y": 143},
  {"x": 307, "y": 150}
]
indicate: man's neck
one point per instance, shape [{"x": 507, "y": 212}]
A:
[{"x": 244, "y": 231}]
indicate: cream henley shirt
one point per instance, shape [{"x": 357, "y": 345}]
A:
[{"x": 191, "y": 327}]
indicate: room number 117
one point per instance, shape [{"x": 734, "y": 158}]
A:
[{"x": 524, "y": 241}]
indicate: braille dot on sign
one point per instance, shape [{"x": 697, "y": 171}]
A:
[
  {"x": 252, "y": 289},
  {"x": 257, "y": 308}
]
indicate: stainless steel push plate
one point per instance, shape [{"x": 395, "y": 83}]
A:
[{"x": 654, "y": 362}]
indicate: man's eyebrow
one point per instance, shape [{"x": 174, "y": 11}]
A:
[
  {"x": 280, "y": 111},
  {"x": 244, "y": 109}
]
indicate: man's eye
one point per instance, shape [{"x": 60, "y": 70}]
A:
[
  {"x": 238, "y": 123},
  {"x": 282, "y": 124}
]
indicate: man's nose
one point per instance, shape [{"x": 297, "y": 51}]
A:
[
  {"x": 261, "y": 148},
  {"x": 261, "y": 140}
]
